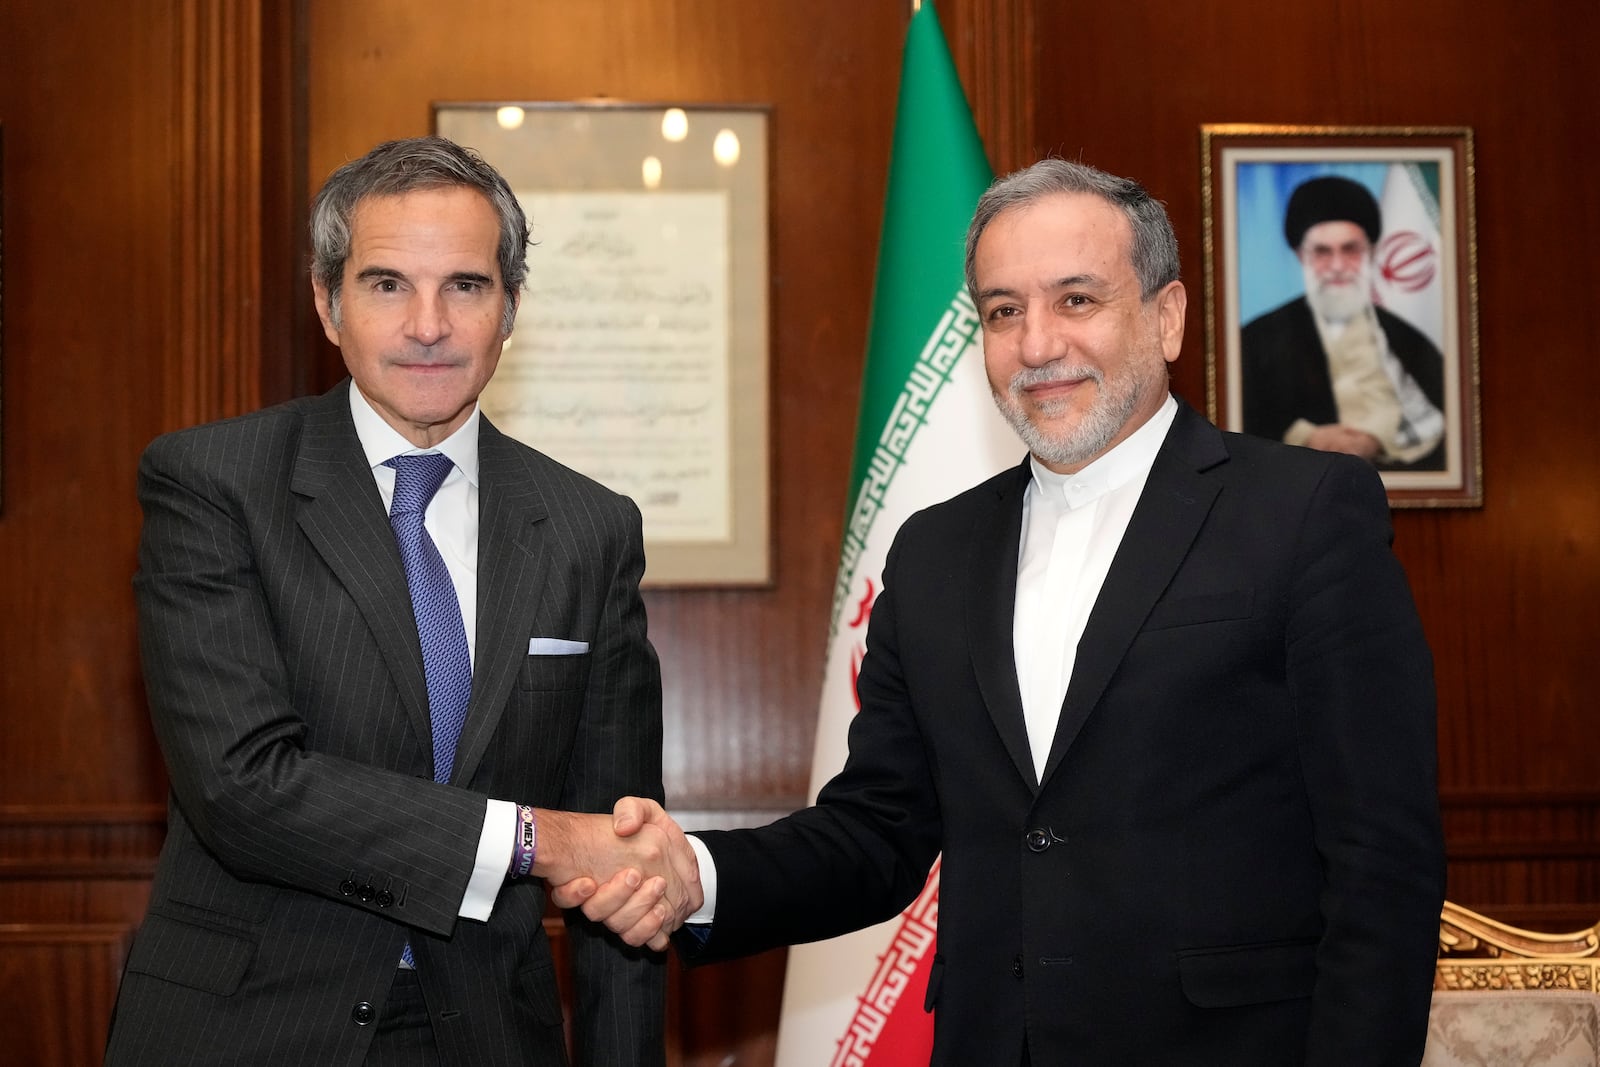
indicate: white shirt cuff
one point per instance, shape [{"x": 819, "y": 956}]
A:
[
  {"x": 494, "y": 860},
  {"x": 708, "y": 882}
]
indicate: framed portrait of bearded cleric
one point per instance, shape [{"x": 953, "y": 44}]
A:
[{"x": 1341, "y": 297}]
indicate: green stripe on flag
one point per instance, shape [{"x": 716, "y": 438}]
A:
[
  {"x": 937, "y": 172},
  {"x": 956, "y": 331}
]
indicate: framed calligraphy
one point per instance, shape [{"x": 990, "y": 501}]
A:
[
  {"x": 640, "y": 353},
  {"x": 1341, "y": 297}
]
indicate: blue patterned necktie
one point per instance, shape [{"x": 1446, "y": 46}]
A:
[{"x": 445, "y": 660}]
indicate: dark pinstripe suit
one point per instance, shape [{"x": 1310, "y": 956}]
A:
[{"x": 287, "y": 692}]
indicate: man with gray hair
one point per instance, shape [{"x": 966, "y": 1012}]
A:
[
  {"x": 1159, "y": 695},
  {"x": 388, "y": 652}
]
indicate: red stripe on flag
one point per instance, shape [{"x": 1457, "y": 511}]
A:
[{"x": 889, "y": 1028}]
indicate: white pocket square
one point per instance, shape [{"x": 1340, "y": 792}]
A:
[{"x": 555, "y": 646}]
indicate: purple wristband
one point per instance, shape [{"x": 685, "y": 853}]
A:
[{"x": 526, "y": 846}]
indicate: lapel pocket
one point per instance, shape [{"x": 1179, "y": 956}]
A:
[
  {"x": 1207, "y": 607},
  {"x": 550, "y": 673},
  {"x": 1236, "y": 975},
  {"x": 210, "y": 960}
]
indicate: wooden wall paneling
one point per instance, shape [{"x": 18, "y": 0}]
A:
[
  {"x": 86, "y": 281},
  {"x": 286, "y": 364},
  {"x": 87, "y": 278},
  {"x": 1509, "y": 593},
  {"x": 54, "y": 842},
  {"x": 728, "y": 1013},
  {"x": 214, "y": 369},
  {"x": 135, "y": 302},
  {"x": 995, "y": 47},
  {"x": 1532, "y": 853},
  {"x": 57, "y": 984},
  {"x": 133, "y": 243}
]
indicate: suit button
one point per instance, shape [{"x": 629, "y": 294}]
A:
[
  {"x": 366, "y": 893},
  {"x": 1016, "y": 966},
  {"x": 385, "y": 898},
  {"x": 348, "y": 887},
  {"x": 363, "y": 1013},
  {"x": 1037, "y": 840}
]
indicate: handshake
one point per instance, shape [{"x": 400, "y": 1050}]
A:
[{"x": 634, "y": 870}]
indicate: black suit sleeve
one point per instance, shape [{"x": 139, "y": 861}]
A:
[
  {"x": 862, "y": 852},
  {"x": 1284, "y": 372},
  {"x": 1360, "y": 682}
]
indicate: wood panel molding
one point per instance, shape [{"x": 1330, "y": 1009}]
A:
[
  {"x": 1533, "y": 825},
  {"x": 996, "y": 49},
  {"x": 41, "y": 961},
  {"x": 1489, "y": 799},
  {"x": 55, "y": 843},
  {"x": 213, "y": 363}
]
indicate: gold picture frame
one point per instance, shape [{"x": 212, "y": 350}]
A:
[
  {"x": 640, "y": 355},
  {"x": 1275, "y": 368}
]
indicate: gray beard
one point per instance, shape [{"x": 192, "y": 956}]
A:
[
  {"x": 1339, "y": 303},
  {"x": 1094, "y": 432}
]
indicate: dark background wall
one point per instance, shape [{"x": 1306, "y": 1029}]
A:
[{"x": 156, "y": 164}]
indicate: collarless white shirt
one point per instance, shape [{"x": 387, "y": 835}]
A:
[
  {"x": 452, "y": 521},
  {"x": 1072, "y": 526}
]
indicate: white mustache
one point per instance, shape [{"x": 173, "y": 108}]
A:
[{"x": 1053, "y": 372}]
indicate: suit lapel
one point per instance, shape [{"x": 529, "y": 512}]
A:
[
  {"x": 511, "y": 576},
  {"x": 1165, "y": 522},
  {"x": 991, "y": 596},
  {"x": 342, "y": 514}
]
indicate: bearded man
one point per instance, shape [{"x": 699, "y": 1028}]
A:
[
  {"x": 1158, "y": 694},
  {"x": 1330, "y": 369}
]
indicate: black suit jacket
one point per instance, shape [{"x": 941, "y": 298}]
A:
[
  {"x": 1284, "y": 372},
  {"x": 1240, "y": 860},
  {"x": 306, "y": 840}
]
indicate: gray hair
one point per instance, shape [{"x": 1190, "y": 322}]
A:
[
  {"x": 397, "y": 167},
  {"x": 1155, "y": 247}
]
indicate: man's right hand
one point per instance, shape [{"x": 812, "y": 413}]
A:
[{"x": 652, "y": 880}]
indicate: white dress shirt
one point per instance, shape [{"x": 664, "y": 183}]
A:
[
  {"x": 452, "y": 522},
  {"x": 1072, "y": 525}
]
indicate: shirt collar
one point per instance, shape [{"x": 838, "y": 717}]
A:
[
  {"x": 1130, "y": 459},
  {"x": 382, "y": 442}
]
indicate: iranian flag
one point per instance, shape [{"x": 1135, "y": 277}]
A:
[
  {"x": 927, "y": 429},
  {"x": 1409, "y": 279}
]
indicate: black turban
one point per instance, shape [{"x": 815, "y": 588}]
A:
[{"x": 1330, "y": 200}]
